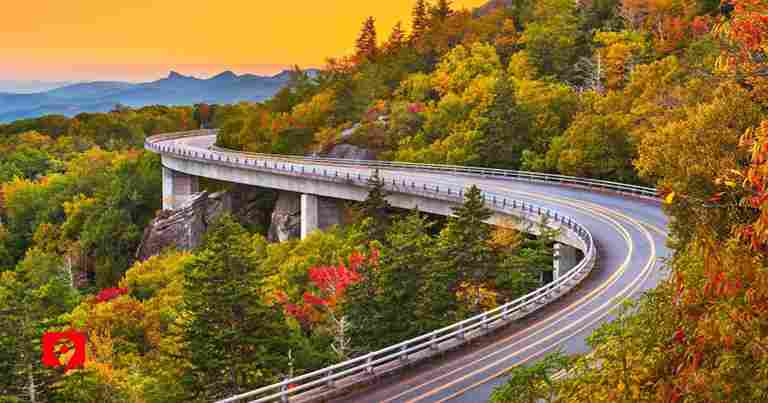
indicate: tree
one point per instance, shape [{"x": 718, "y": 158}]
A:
[
  {"x": 441, "y": 10},
  {"x": 31, "y": 300},
  {"x": 531, "y": 383},
  {"x": 234, "y": 339},
  {"x": 375, "y": 210},
  {"x": 505, "y": 128},
  {"x": 397, "y": 39},
  {"x": 420, "y": 23},
  {"x": 383, "y": 307},
  {"x": 367, "y": 45},
  {"x": 552, "y": 40},
  {"x": 331, "y": 283},
  {"x": 463, "y": 257}
]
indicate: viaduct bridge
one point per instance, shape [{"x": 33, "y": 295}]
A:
[{"x": 620, "y": 226}]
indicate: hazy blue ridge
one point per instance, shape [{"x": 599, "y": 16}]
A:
[{"x": 176, "y": 89}]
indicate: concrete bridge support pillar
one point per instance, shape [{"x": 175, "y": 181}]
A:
[
  {"x": 566, "y": 258},
  {"x": 309, "y": 214},
  {"x": 178, "y": 188}
]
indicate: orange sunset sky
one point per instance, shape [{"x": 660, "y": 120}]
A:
[{"x": 143, "y": 39}]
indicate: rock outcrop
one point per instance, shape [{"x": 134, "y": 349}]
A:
[
  {"x": 184, "y": 227},
  {"x": 351, "y": 152},
  {"x": 285, "y": 223}
]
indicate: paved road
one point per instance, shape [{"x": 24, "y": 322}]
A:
[{"x": 630, "y": 235}]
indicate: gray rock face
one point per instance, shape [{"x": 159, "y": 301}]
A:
[
  {"x": 286, "y": 218},
  {"x": 184, "y": 227},
  {"x": 349, "y": 151}
]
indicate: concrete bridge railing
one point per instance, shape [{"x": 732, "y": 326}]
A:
[{"x": 327, "y": 382}]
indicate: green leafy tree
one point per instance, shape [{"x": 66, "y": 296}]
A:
[
  {"x": 532, "y": 383},
  {"x": 505, "y": 128},
  {"x": 31, "y": 300},
  {"x": 551, "y": 41}
]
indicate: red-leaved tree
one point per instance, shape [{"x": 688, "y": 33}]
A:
[{"x": 320, "y": 305}]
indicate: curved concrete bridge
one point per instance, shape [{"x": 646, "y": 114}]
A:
[{"x": 619, "y": 226}]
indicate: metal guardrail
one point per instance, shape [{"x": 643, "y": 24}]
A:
[
  {"x": 505, "y": 173},
  {"x": 364, "y": 366}
]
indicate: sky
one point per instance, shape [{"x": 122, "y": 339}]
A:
[{"x": 140, "y": 40}]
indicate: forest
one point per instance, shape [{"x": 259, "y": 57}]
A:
[{"x": 666, "y": 93}]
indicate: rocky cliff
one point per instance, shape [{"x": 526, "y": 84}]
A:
[{"x": 184, "y": 227}]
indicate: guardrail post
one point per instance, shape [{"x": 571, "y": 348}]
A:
[
  {"x": 433, "y": 344},
  {"x": 329, "y": 381},
  {"x": 368, "y": 366},
  {"x": 403, "y": 354},
  {"x": 484, "y": 322},
  {"x": 284, "y": 390},
  {"x": 505, "y": 312},
  {"x": 461, "y": 332}
]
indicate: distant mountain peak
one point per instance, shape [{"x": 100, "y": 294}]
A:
[
  {"x": 225, "y": 75},
  {"x": 175, "y": 76}
]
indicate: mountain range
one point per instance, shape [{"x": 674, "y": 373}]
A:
[{"x": 176, "y": 89}]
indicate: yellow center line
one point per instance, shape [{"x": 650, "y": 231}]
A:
[{"x": 645, "y": 276}]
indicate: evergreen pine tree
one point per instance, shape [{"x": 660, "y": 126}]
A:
[
  {"x": 420, "y": 21},
  {"x": 462, "y": 254},
  {"x": 367, "y": 41},
  {"x": 375, "y": 209},
  {"x": 384, "y": 308},
  {"x": 235, "y": 341},
  {"x": 396, "y": 38},
  {"x": 441, "y": 10}
]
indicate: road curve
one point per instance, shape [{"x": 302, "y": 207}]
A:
[{"x": 630, "y": 234}]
